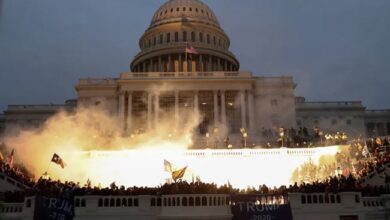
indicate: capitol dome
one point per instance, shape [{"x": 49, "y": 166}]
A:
[
  {"x": 194, "y": 10},
  {"x": 181, "y": 24}
]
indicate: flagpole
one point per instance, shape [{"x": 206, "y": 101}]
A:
[
  {"x": 47, "y": 169},
  {"x": 186, "y": 57}
]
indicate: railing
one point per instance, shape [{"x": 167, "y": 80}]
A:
[
  {"x": 182, "y": 200},
  {"x": 97, "y": 81},
  {"x": 194, "y": 200},
  {"x": 37, "y": 107},
  {"x": 201, "y": 45},
  {"x": 320, "y": 198},
  {"x": 372, "y": 202},
  {"x": 10, "y": 208},
  {"x": 109, "y": 201},
  {"x": 174, "y": 75},
  {"x": 252, "y": 152},
  {"x": 330, "y": 104},
  {"x": 374, "y": 111}
]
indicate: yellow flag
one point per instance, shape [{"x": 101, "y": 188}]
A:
[{"x": 178, "y": 174}]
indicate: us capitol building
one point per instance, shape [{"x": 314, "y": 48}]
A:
[{"x": 185, "y": 66}]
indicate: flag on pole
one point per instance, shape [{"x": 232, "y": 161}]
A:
[
  {"x": 178, "y": 174},
  {"x": 191, "y": 50},
  {"x": 58, "y": 160},
  {"x": 11, "y": 158},
  {"x": 167, "y": 166}
]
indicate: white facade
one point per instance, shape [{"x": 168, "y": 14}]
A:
[{"x": 258, "y": 101}]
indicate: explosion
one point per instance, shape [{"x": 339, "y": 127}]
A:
[
  {"x": 95, "y": 148},
  {"x": 71, "y": 134}
]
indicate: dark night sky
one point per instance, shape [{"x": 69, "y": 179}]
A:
[{"x": 335, "y": 50}]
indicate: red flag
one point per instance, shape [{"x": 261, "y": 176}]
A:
[
  {"x": 11, "y": 158},
  {"x": 191, "y": 50},
  {"x": 58, "y": 160}
]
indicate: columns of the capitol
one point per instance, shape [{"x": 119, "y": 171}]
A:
[
  {"x": 243, "y": 109},
  {"x": 180, "y": 64},
  {"x": 176, "y": 106},
  {"x": 129, "y": 111},
  {"x": 144, "y": 66},
  {"x": 156, "y": 109},
  {"x": 225, "y": 66},
  {"x": 251, "y": 111},
  {"x": 223, "y": 107},
  {"x": 149, "y": 110},
  {"x": 169, "y": 63},
  {"x": 215, "y": 108},
  {"x": 186, "y": 66}
]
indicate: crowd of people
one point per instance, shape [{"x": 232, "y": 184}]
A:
[
  {"x": 302, "y": 137},
  {"x": 17, "y": 173},
  {"x": 361, "y": 158},
  {"x": 334, "y": 184},
  {"x": 372, "y": 154}
]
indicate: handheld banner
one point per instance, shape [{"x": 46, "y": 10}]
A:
[
  {"x": 53, "y": 208},
  {"x": 261, "y": 207}
]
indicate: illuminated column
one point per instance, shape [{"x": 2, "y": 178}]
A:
[
  {"x": 176, "y": 106},
  {"x": 223, "y": 107},
  {"x": 193, "y": 65},
  {"x": 196, "y": 102},
  {"x": 215, "y": 108},
  {"x": 156, "y": 109},
  {"x": 243, "y": 109},
  {"x": 251, "y": 111},
  {"x": 149, "y": 110},
  {"x": 121, "y": 109},
  {"x": 129, "y": 110}
]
